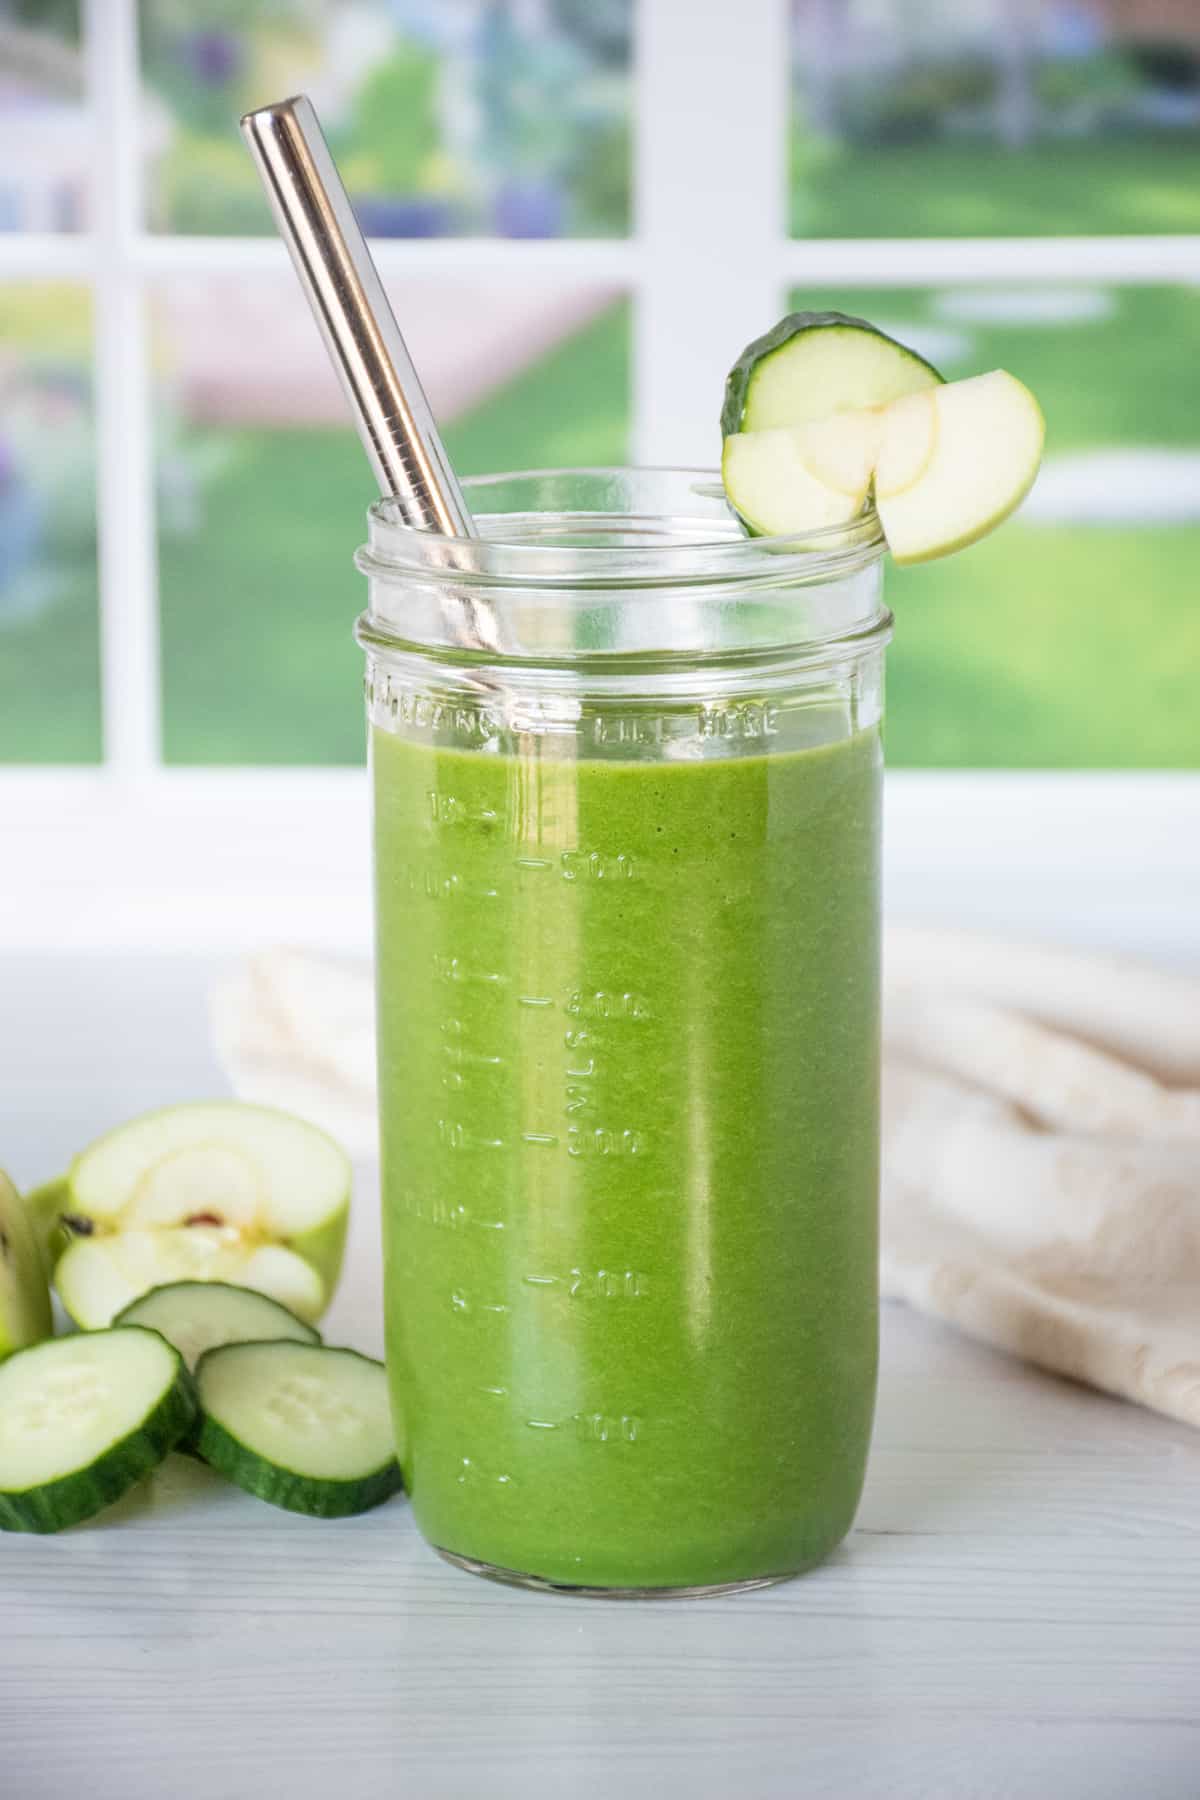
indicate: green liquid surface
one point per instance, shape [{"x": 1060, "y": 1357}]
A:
[{"x": 628, "y": 1018}]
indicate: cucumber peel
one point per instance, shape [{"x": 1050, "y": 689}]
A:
[
  {"x": 812, "y": 364},
  {"x": 83, "y": 1419},
  {"x": 25, "y": 1315}
]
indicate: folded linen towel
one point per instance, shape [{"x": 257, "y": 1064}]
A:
[{"x": 1041, "y": 1138}]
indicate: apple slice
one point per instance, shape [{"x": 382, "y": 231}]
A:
[
  {"x": 25, "y": 1316},
  {"x": 954, "y": 462},
  {"x": 218, "y": 1191},
  {"x": 796, "y": 478}
]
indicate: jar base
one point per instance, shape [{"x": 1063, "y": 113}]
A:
[{"x": 515, "y": 1578}]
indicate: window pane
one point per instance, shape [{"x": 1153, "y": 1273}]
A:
[
  {"x": 1071, "y": 638},
  {"x": 49, "y": 642},
  {"x": 962, "y": 118},
  {"x": 504, "y": 117},
  {"x": 263, "y": 485},
  {"x": 45, "y": 137}
]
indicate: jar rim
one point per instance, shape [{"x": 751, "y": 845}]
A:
[{"x": 573, "y": 546}]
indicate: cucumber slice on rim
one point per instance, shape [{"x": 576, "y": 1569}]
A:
[
  {"x": 198, "y": 1316},
  {"x": 815, "y": 363},
  {"x": 25, "y": 1316},
  {"x": 216, "y": 1191},
  {"x": 298, "y": 1425},
  {"x": 82, "y": 1419}
]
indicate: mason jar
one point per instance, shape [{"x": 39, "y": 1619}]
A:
[{"x": 626, "y": 768}]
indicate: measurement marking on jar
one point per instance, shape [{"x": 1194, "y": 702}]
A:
[
  {"x": 495, "y": 1306},
  {"x": 605, "y": 1003},
  {"x": 535, "y": 1000},
  {"x": 539, "y": 1137},
  {"x": 607, "y": 1428},
  {"x": 453, "y": 969},
  {"x": 448, "y": 809},
  {"x": 594, "y": 865},
  {"x": 454, "y": 1135},
  {"x": 533, "y": 862},
  {"x": 540, "y": 1280},
  {"x": 603, "y": 1142},
  {"x": 474, "y": 1059},
  {"x": 433, "y": 1210},
  {"x": 469, "y": 1470},
  {"x": 608, "y": 1284},
  {"x": 501, "y": 1393},
  {"x": 543, "y": 1424}
]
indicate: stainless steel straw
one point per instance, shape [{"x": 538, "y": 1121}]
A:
[{"x": 318, "y": 225}]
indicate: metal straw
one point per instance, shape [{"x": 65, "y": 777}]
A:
[{"x": 318, "y": 225}]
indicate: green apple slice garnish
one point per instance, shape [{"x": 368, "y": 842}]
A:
[
  {"x": 218, "y": 1191},
  {"x": 801, "y": 477},
  {"x": 25, "y": 1316},
  {"x": 954, "y": 462}
]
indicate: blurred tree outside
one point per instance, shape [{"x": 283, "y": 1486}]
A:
[{"x": 476, "y": 116}]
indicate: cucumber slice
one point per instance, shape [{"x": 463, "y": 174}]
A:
[
  {"x": 218, "y": 1191},
  {"x": 304, "y": 1427},
  {"x": 25, "y": 1316},
  {"x": 815, "y": 363},
  {"x": 82, "y": 1419},
  {"x": 198, "y": 1316}
]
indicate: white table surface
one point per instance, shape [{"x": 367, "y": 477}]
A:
[{"x": 1017, "y": 1612}]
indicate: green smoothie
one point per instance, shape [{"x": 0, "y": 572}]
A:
[{"x": 629, "y": 1086}]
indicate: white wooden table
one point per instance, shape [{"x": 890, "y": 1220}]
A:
[{"x": 1016, "y": 1614}]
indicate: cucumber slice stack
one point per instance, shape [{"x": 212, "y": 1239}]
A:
[
  {"x": 198, "y": 1316},
  {"x": 303, "y": 1427},
  {"x": 82, "y": 1419},
  {"x": 25, "y": 1316}
]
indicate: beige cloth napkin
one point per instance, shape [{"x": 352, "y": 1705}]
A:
[{"x": 1041, "y": 1182}]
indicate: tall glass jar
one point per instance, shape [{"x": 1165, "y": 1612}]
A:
[{"x": 626, "y": 768}]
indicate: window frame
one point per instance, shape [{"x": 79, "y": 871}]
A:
[{"x": 710, "y": 257}]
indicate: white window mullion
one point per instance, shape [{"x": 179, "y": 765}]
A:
[
  {"x": 921, "y": 262},
  {"x": 124, "y": 450},
  {"x": 711, "y": 198}
]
